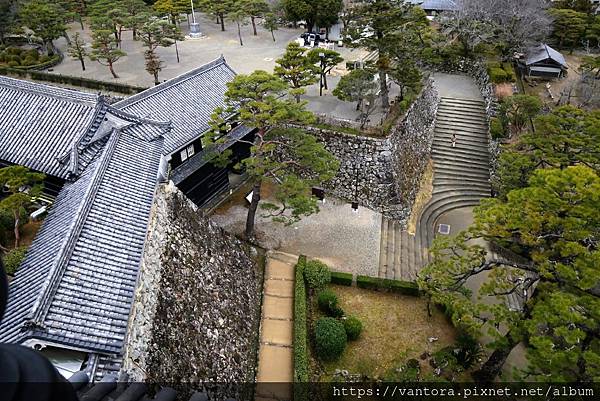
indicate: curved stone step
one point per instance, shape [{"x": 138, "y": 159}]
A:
[
  {"x": 452, "y": 184},
  {"x": 428, "y": 218}
]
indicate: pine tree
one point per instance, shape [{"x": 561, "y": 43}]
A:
[
  {"x": 77, "y": 49},
  {"x": 279, "y": 154},
  {"x": 105, "y": 49},
  {"x": 296, "y": 69}
]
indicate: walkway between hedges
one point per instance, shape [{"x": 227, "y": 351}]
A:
[{"x": 275, "y": 359}]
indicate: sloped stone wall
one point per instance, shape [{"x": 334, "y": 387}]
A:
[
  {"x": 197, "y": 307},
  {"x": 411, "y": 143}
]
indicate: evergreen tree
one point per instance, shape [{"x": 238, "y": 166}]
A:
[
  {"x": 568, "y": 27},
  {"x": 330, "y": 59},
  {"x": 271, "y": 24},
  {"x": 77, "y": 49},
  {"x": 295, "y": 68},
  {"x": 255, "y": 9},
  {"x": 220, "y": 8},
  {"x": 549, "y": 234},
  {"x": 157, "y": 33},
  {"x": 23, "y": 187},
  {"x": 290, "y": 158},
  {"x": 105, "y": 49},
  {"x": 46, "y": 19},
  {"x": 358, "y": 86}
]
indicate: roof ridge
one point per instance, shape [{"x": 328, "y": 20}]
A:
[
  {"x": 173, "y": 81},
  {"x": 49, "y": 90},
  {"x": 40, "y": 307}
]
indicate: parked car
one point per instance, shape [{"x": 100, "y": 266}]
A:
[{"x": 310, "y": 39}]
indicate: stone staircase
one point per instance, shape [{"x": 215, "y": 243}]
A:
[{"x": 461, "y": 179}]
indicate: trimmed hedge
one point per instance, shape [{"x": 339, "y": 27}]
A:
[
  {"x": 75, "y": 81},
  {"x": 341, "y": 278},
  {"x": 375, "y": 283},
  {"x": 353, "y": 327},
  {"x": 300, "y": 335}
]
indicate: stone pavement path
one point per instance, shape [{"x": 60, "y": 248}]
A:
[{"x": 276, "y": 352}]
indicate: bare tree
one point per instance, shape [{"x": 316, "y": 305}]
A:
[{"x": 512, "y": 25}]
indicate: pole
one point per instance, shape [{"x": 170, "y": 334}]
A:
[
  {"x": 193, "y": 13},
  {"x": 176, "y": 50},
  {"x": 322, "y": 57}
]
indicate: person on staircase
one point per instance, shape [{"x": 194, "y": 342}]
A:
[{"x": 453, "y": 140}]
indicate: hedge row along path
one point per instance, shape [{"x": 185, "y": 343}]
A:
[
  {"x": 275, "y": 356},
  {"x": 461, "y": 178}
]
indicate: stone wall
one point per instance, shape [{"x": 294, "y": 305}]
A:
[
  {"x": 383, "y": 174},
  {"x": 411, "y": 144},
  {"x": 197, "y": 307}
]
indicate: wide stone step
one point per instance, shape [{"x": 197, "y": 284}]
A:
[
  {"x": 460, "y": 153},
  {"x": 457, "y": 190},
  {"x": 442, "y": 132},
  {"x": 460, "y": 160},
  {"x": 457, "y": 111},
  {"x": 455, "y": 100},
  {"x": 452, "y": 176},
  {"x": 477, "y": 108},
  {"x": 445, "y": 143},
  {"x": 460, "y": 168},
  {"x": 460, "y": 137},
  {"x": 462, "y": 126},
  {"x": 441, "y": 185},
  {"x": 455, "y": 116}
]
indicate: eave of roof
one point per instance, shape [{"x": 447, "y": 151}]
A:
[{"x": 188, "y": 101}]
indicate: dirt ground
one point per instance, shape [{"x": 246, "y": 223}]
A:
[
  {"x": 423, "y": 196},
  {"x": 558, "y": 86},
  {"x": 395, "y": 328}
]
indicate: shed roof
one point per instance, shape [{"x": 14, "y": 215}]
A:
[
  {"x": 544, "y": 52},
  {"x": 76, "y": 283},
  {"x": 188, "y": 101}
]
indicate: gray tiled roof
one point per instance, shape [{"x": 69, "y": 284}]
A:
[
  {"x": 187, "y": 101},
  {"x": 543, "y": 52},
  {"x": 438, "y": 5},
  {"x": 75, "y": 286},
  {"x": 40, "y": 123}
]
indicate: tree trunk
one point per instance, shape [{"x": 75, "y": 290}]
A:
[
  {"x": 81, "y": 22},
  {"x": 134, "y": 31},
  {"x": 273, "y": 35},
  {"x": 253, "y": 25},
  {"x": 327, "y": 33},
  {"x": 50, "y": 48},
  {"x": 325, "y": 80},
  {"x": 358, "y": 104},
  {"x": 385, "y": 96},
  {"x": 156, "y": 81},
  {"x": 297, "y": 96},
  {"x": 67, "y": 38},
  {"x": 240, "y": 34},
  {"x": 222, "y": 23},
  {"x": 82, "y": 63},
  {"x": 17, "y": 234},
  {"x": 112, "y": 71},
  {"x": 252, "y": 209},
  {"x": 491, "y": 368}
]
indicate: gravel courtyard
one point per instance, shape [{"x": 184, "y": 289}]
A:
[{"x": 345, "y": 240}]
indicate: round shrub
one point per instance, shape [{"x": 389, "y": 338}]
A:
[
  {"x": 12, "y": 260},
  {"x": 34, "y": 54},
  {"x": 316, "y": 274},
  {"x": 327, "y": 301},
  {"x": 16, "y": 59},
  {"x": 353, "y": 327},
  {"x": 15, "y": 51},
  {"x": 12, "y": 64},
  {"x": 44, "y": 59},
  {"x": 330, "y": 338},
  {"x": 29, "y": 61}
]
